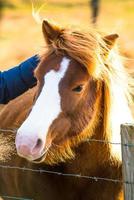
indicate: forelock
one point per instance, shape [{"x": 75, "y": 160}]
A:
[{"x": 85, "y": 47}]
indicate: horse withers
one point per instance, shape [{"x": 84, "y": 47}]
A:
[{"x": 81, "y": 97}]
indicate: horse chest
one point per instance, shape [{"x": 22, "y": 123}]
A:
[{"x": 47, "y": 186}]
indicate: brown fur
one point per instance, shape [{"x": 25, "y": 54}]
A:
[{"x": 83, "y": 117}]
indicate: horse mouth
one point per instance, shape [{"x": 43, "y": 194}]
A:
[
  {"x": 42, "y": 156},
  {"x": 37, "y": 158}
]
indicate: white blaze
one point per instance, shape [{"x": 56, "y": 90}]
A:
[{"x": 46, "y": 108}]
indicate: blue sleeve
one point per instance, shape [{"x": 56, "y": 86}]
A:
[{"x": 17, "y": 80}]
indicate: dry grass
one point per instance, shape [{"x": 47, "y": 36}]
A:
[{"x": 21, "y": 36}]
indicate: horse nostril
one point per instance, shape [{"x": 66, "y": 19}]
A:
[
  {"x": 38, "y": 146},
  {"x": 39, "y": 143}
]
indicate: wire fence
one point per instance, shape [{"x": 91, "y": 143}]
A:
[
  {"x": 23, "y": 169},
  {"x": 14, "y": 198},
  {"x": 94, "y": 178},
  {"x": 88, "y": 140}
]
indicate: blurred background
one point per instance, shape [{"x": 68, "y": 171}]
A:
[{"x": 21, "y": 36}]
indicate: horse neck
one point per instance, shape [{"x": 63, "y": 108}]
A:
[{"x": 89, "y": 154}]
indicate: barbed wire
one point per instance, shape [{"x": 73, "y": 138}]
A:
[
  {"x": 14, "y": 198},
  {"x": 112, "y": 143},
  {"x": 88, "y": 140},
  {"x": 8, "y": 130},
  {"x": 95, "y": 178},
  {"x": 70, "y": 175}
]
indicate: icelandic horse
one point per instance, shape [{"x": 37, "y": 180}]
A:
[{"x": 83, "y": 94}]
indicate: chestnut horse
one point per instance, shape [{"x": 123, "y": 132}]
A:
[{"x": 82, "y": 94}]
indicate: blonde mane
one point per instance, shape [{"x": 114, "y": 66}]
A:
[{"x": 104, "y": 65}]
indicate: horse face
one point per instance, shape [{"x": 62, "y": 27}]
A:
[
  {"x": 68, "y": 98},
  {"x": 62, "y": 109}
]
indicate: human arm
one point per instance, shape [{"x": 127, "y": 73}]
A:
[{"x": 17, "y": 80}]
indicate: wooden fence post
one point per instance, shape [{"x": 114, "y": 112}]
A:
[{"x": 127, "y": 140}]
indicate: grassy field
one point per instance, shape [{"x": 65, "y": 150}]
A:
[{"x": 21, "y": 36}]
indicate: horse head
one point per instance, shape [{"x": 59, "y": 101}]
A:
[{"x": 69, "y": 103}]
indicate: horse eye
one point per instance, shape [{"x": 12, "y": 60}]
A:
[{"x": 78, "y": 88}]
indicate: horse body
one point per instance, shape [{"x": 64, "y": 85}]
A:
[
  {"x": 77, "y": 99},
  {"x": 90, "y": 159},
  {"x": 42, "y": 186}
]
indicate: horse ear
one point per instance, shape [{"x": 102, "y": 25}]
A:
[
  {"x": 110, "y": 40},
  {"x": 50, "y": 31}
]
